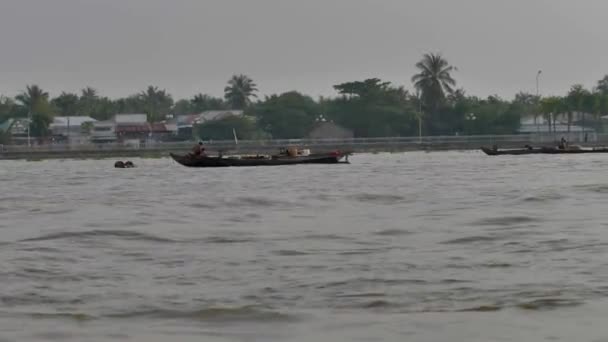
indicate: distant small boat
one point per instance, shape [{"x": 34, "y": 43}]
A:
[
  {"x": 543, "y": 150},
  {"x": 220, "y": 161}
]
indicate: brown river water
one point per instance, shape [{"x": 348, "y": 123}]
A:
[{"x": 441, "y": 246}]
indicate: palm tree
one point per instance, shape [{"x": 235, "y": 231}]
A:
[
  {"x": 157, "y": 103},
  {"x": 203, "y": 102},
  {"x": 602, "y": 85},
  {"x": 575, "y": 100},
  {"x": 550, "y": 108},
  {"x": 32, "y": 96},
  {"x": 89, "y": 93},
  {"x": 36, "y": 101},
  {"x": 239, "y": 91},
  {"x": 434, "y": 80},
  {"x": 66, "y": 103},
  {"x": 87, "y": 103}
]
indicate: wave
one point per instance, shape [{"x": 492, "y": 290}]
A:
[
  {"x": 471, "y": 239},
  {"x": 217, "y": 314},
  {"x": 482, "y": 308},
  {"x": 61, "y": 315},
  {"x": 225, "y": 239},
  {"x": 222, "y": 314},
  {"x": 543, "y": 197},
  {"x": 504, "y": 221},
  {"x": 549, "y": 304},
  {"x": 378, "y": 198},
  {"x": 371, "y": 281},
  {"x": 123, "y": 234},
  {"x": 257, "y": 202},
  {"x": 392, "y": 232},
  {"x": 597, "y": 188},
  {"x": 289, "y": 253},
  {"x": 325, "y": 237}
]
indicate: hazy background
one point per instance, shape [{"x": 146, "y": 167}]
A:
[{"x": 190, "y": 46}]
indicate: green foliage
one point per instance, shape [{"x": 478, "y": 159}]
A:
[
  {"x": 487, "y": 116},
  {"x": 239, "y": 91},
  {"x": 286, "y": 116},
  {"x": 155, "y": 103},
  {"x": 36, "y": 103},
  {"x": 434, "y": 80},
  {"x": 8, "y": 109},
  {"x": 66, "y": 104},
  {"x": 201, "y": 102},
  {"x": 372, "y": 108},
  {"x": 244, "y": 126}
]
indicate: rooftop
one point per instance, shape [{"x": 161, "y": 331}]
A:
[{"x": 62, "y": 121}]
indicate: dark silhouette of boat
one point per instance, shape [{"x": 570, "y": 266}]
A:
[
  {"x": 221, "y": 161},
  {"x": 543, "y": 150}
]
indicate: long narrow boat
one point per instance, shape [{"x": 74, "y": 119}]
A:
[
  {"x": 543, "y": 150},
  {"x": 208, "y": 161}
]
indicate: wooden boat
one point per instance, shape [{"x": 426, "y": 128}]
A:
[
  {"x": 219, "y": 161},
  {"x": 543, "y": 150}
]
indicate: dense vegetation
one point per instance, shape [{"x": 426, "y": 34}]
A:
[{"x": 370, "y": 108}]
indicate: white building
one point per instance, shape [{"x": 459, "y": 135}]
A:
[
  {"x": 72, "y": 128},
  {"x": 103, "y": 132}
]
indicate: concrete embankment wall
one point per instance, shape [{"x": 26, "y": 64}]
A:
[
  {"x": 164, "y": 150},
  {"x": 359, "y": 145}
]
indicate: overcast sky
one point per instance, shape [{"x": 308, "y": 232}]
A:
[{"x": 191, "y": 46}]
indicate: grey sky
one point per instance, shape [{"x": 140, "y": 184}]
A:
[{"x": 191, "y": 46}]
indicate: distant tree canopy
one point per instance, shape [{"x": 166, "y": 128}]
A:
[
  {"x": 369, "y": 108},
  {"x": 239, "y": 91},
  {"x": 289, "y": 115},
  {"x": 224, "y": 129}
]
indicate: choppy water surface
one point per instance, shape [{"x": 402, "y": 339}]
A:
[{"x": 444, "y": 246}]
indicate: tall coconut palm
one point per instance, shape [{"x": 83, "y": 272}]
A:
[
  {"x": 157, "y": 103},
  {"x": 602, "y": 85},
  {"x": 239, "y": 91},
  {"x": 32, "y": 96},
  {"x": 87, "y": 103},
  {"x": 434, "y": 80},
  {"x": 40, "y": 113}
]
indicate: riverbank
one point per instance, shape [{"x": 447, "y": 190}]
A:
[{"x": 375, "y": 145}]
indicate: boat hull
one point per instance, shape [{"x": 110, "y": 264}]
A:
[
  {"x": 189, "y": 161},
  {"x": 542, "y": 150}
]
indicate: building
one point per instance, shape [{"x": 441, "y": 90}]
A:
[
  {"x": 104, "y": 132},
  {"x": 130, "y": 128},
  {"x": 72, "y": 128},
  {"x": 330, "y": 130},
  {"x": 16, "y": 129}
]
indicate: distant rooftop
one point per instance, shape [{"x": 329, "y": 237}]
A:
[
  {"x": 62, "y": 121},
  {"x": 130, "y": 118}
]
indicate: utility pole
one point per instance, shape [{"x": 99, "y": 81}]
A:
[
  {"x": 419, "y": 116},
  {"x": 29, "y": 125},
  {"x": 537, "y": 97}
]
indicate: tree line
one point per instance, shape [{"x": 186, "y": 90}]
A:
[{"x": 370, "y": 107}]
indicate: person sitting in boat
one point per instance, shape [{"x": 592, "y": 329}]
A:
[{"x": 198, "y": 150}]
